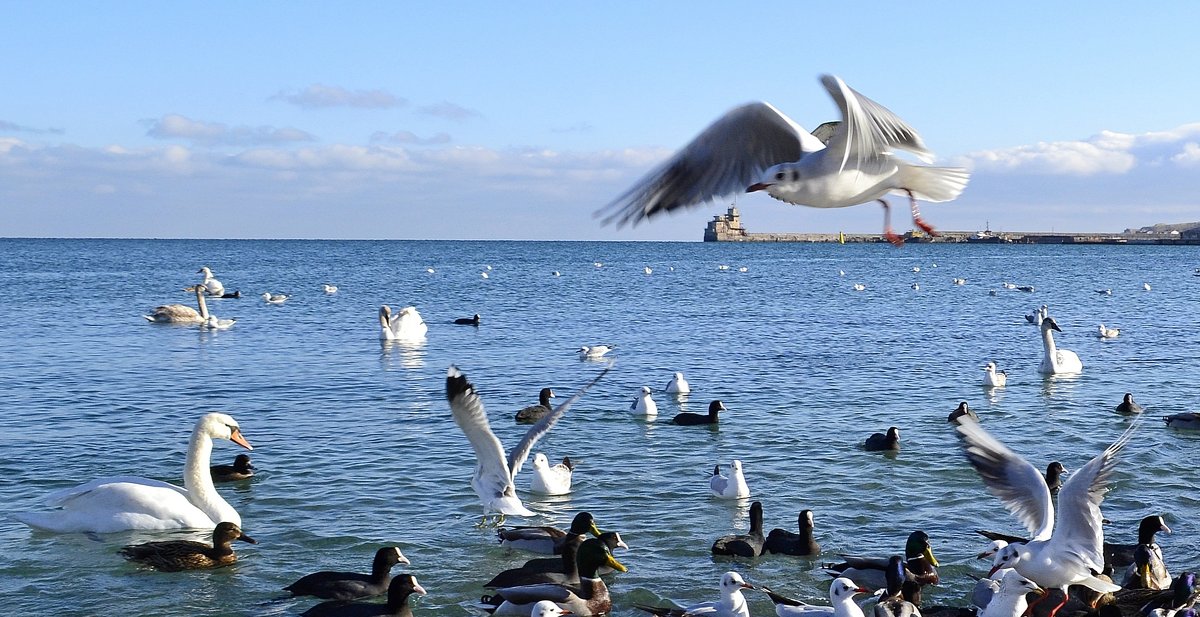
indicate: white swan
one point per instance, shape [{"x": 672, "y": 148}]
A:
[
  {"x": 643, "y": 405},
  {"x": 406, "y": 325},
  {"x": 1109, "y": 332},
  {"x": 551, "y": 479},
  {"x": 214, "y": 287},
  {"x": 1057, "y": 361},
  {"x": 122, "y": 503},
  {"x": 994, "y": 378},
  {"x": 181, "y": 313}
]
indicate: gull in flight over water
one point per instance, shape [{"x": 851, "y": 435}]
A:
[
  {"x": 494, "y": 472},
  {"x": 1069, "y": 551},
  {"x": 756, "y": 148}
]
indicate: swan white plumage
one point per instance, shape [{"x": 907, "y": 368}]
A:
[
  {"x": 732, "y": 487},
  {"x": 406, "y": 325},
  {"x": 1057, "y": 361},
  {"x": 214, "y": 287},
  {"x": 1109, "y": 332},
  {"x": 994, "y": 378},
  {"x": 678, "y": 385},
  {"x": 494, "y": 472},
  {"x": 181, "y": 313},
  {"x": 643, "y": 405},
  {"x": 551, "y": 479},
  {"x": 121, "y": 503}
]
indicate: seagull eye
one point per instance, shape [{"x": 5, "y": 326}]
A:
[{"x": 779, "y": 176}]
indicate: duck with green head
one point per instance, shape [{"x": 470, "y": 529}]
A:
[
  {"x": 920, "y": 565},
  {"x": 589, "y": 597},
  {"x": 545, "y": 539}
]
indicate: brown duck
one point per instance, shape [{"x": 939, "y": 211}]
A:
[{"x": 178, "y": 555}]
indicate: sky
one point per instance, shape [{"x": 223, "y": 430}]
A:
[{"x": 474, "y": 120}]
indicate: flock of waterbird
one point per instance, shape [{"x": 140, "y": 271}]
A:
[{"x": 753, "y": 148}]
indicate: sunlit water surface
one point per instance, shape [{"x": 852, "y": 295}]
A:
[{"x": 356, "y": 448}]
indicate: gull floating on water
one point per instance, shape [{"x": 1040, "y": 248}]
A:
[
  {"x": 994, "y": 378},
  {"x": 1108, "y": 332},
  {"x": 731, "y": 604},
  {"x": 330, "y": 289},
  {"x": 755, "y": 147},
  {"x": 678, "y": 385},
  {"x": 494, "y": 473},
  {"x": 841, "y": 599},
  {"x": 274, "y": 298},
  {"x": 1061, "y": 553},
  {"x": 551, "y": 479},
  {"x": 212, "y": 285},
  {"x": 643, "y": 405},
  {"x": 732, "y": 487},
  {"x": 595, "y": 351}
]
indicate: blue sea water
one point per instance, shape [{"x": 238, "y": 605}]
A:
[{"x": 356, "y": 448}]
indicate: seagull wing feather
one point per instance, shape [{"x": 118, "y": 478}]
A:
[
  {"x": 520, "y": 452},
  {"x": 1020, "y": 487},
  {"x": 468, "y": 412},
  {"x": 869, "y": 130},
  {"x": 724, "y": 159}
]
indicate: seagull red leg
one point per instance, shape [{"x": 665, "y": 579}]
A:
[
  {"x": 888, "y": 234},
  {"x": 916, "y": 214}
]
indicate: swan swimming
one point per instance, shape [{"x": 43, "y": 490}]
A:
[
  {"x": 405, "y": 325},
  {"x": 214, "y": 287},
  {"x": 181, "y": 313},
  {"x": 1057, "y": 361},
  {"x": 122, "y": 503}
]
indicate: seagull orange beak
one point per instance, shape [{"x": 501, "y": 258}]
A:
[{"x": 757, "y": 186}]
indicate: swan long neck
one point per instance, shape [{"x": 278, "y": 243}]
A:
[
  {"x": 200, "y": 301},
  {"x": 197, "y": 479},
  {"x": 1048, "y": 345}
]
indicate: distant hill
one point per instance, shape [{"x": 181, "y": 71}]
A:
[{"x": 1166, "y": 228}]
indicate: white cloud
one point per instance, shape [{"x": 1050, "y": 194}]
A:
[
  {"x": 449, "y": 111},
  {"x": 318, "y": 96},
  {"x": 175, "y": 126},
  {"x": 410, "y": 138},
  {"x": 1109, "y": 152}
]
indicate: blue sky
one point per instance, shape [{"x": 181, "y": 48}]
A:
[{"x": 519, "y": 120}]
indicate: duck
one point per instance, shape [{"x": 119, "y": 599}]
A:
[
  {"x": 241, "y": 469},
  {"x": 1010, "y": 600},
  {"x": 565, "y": 572},
  {"x": 1148, "y": 570},
  {"x": 1038, "y": 315},
  {"x": 611, "y": 539},
  {"x": 1054, "y": 476},
  {"x": 1104, "y": 292},
  {"x": 181, "y": 313},
  {"x": 211, "y": 285},
  {"x": 919, "y": 563},
  {"x": 232, "y": 294},
  {"x": 1182, "y": 596},
  {"x": 533, "y": 413},
  {"x": 329, "y": 289},
  {"x": 899, "y": 592},
  {"x": 468, "y": 321},
  {"x": 180, "y": 555},
  {"x": 494, "y": 472},
  {"x": 398, "y": 593},
  {"x": 749, "y": 544},
  {"x": 124, "y": 503},
  {"x": 589, "y": 597},
  {"x": 1026, "y": 288},
  {"x": 595, "y": 351},
  {"x": 880, "y": 442},
  {"x": 551, "y": 479},
  {"x": 332, "y": 585},
  {"x": 546, "y": 539},
  {"x": 694, "y": 419},
  {"x": 1057, "y": 361},
  {"x": 993, "y": 378},
  {"x": 1128, "y": 406},
  {"x": 1108, "y": 332},
  {"x": 271, "y": 298},
  {"x": 405, "y": 325},
  {"x": 786, "y": 542},
  {"x": 732, "y": 602},
  {"x": 643, "y": 405},
  {"x": 963, "y": 411},
  {"x": 733, "y": 487},
  {"x": 841, "y": 600},
  {"x": 678, "y": 385},
  {"x": 1185, "y": 420}
]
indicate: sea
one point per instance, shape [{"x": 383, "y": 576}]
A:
[{"x": 356, "y": 449}]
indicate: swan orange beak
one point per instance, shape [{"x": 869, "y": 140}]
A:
[{"x": 236, "y": 437}]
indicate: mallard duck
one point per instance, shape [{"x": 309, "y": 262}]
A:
[
  {"x": 545, "y": 539},
  {"x": 1148, "y": 571},
  {"x": 1054, "y": 474},
  {"x": 788, "y": 543},
  {"x": 533, "y": 413},
  {"x": 589, "y": 597},
  {"x": 611, "y": 539},
  {"x": 879, "y": 442},
  {"x": 179, "y": 555},
  {"x": 239, "y": 470},
  {"x": 351, "y": 585},
  {"x": 841, "y": 602},
  {"x": 898, "y": 597},
  {"x": 694, "y": 419},
  {"x": 567, "y": 572},
  {"x": 749, "y": 544},
  {"x": 1183, "y": 594},
  {"x": 920, "y": 565},
  {"x": 398, "y": 593},
  {"x": 731, "y": 604}
]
